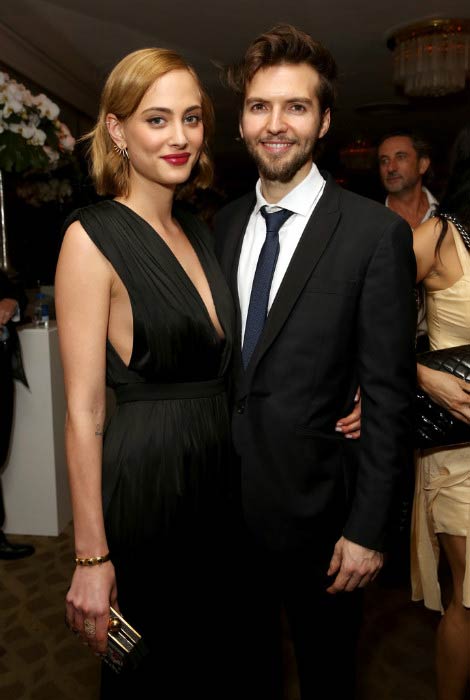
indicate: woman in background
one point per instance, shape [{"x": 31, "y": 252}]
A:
[
  {"x": 441, "y": 517},
  {"x": 143, "y": 308}
]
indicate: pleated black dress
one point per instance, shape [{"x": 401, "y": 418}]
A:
[{"x": 167, "y": 475}]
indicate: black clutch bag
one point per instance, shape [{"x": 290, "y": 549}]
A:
[{"x": 434, "y": 425}]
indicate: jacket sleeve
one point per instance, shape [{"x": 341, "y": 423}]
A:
[{"x": 387, "y": 377}]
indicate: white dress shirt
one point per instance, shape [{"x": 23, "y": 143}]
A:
[
  {"x": 432, "y": 201},
  {"x": 432, "y": 204},
  {"x": 421, "y": 324},
  {"x": 302, "y": 200}
]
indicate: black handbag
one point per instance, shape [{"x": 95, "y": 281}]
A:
[{"x": 434, "y": 425}]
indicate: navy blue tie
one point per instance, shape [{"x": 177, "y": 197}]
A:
[{"x": 259, "y": 298}]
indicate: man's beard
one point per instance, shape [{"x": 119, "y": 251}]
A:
[
  {"x": 282, "y": 168},
  {"x": 401, "y": 185},
  {"x": 279, "y": 168}
]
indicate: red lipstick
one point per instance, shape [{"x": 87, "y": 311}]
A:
[{"x": 177, "y": 158}]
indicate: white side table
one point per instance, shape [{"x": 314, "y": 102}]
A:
[{"x": 35, "y": 486}]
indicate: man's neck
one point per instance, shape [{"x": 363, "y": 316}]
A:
[
  {"x": 273, "y": 190},
  {"x": 411, "y": 204}
]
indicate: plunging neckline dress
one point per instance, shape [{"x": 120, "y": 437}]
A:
[{"x": 167, "y": 476}]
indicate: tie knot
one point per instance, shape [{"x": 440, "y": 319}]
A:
[{"x": 275, "y": 219}]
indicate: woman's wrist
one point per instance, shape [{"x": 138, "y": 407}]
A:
[
  {"x": 90, "y": 541},
  {"x": 422, "y": 375},
  {"x": 93, "y": 561}
]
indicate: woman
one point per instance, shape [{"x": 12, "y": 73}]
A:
[
  {"x": 142, "y": 307},
  {"x": 441, "y": 517}
]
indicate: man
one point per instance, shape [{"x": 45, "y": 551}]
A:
[
  {"x": 9, "y": 305},
  {"x": 334, "y": 275},
  {"x": 404, "y": 160}
]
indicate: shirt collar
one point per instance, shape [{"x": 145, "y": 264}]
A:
[
  {"x": 431, "y": 199},
  {"x": 300, "y": 199}
]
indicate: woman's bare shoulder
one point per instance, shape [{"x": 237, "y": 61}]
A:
[
  {"x": 426, "y": 235},
  {"x": 79, "y": 254},
  {"x": 429, "y": 229}
]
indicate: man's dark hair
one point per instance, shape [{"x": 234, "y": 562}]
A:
[
  {"x": 420, "y": 144},
  {"x": 285, "y": 44}
]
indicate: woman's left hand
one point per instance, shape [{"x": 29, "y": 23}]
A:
[
  {"x": 92, "y": 591},
  {"x": 446, "y": 390}
]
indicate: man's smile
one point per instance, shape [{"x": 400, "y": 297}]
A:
[{"x": 277, "y": 146}]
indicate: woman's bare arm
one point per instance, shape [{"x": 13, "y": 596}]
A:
[
  {"x": 448, "y": 391},
  {"x": 425, "y": 238},
  {"x": 83, "y": 284}
]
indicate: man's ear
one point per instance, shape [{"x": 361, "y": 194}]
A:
[
  {"x": 423, "y": 164},
  {"x": 115, "y": 130},
  {"x": 325, "y": 123},
  {"x": 240, "y": 129}
]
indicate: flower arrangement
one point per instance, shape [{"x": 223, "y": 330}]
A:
[
  {"x": 31, "y": 136},
  {"x": 39, "y": 192}
]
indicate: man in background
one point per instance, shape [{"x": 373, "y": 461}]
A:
[
  {"x": 404, "y": 160},
  {"x": 404, "y": 163},
  {"x": 10, "y": 299}
]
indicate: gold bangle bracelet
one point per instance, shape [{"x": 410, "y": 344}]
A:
[{"x": 92, "y": 561}]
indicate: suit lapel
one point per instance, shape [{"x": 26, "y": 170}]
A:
[{"x": 313, "y": 242}]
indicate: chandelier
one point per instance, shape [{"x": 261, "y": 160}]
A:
[{"x": 431, "y": 57}]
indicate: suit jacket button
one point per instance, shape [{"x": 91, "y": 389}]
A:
[{"x": 240, "y": 407}]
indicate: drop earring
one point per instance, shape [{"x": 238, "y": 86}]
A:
[{"x": 122, "y": 151}]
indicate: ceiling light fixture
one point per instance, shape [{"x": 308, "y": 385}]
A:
[{"x": 431, "y": 57}]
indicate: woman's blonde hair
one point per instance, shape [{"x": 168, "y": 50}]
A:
[{"x": 123, "y": 91}]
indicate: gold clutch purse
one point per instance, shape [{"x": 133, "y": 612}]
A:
[{"x": 125, "y": 646}]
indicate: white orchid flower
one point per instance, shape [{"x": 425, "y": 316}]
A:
[
  {"x": 38, "y": 138},
  {"x": 34, "y": 120}
]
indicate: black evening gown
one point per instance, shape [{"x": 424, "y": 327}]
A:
[{"x": 167, "y": 461}]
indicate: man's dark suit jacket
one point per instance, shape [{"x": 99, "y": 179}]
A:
[
  {"x": 10, "y": 366},
  {"x": 7, "y": 288},
  {"x": 13, "y": 290},
  {"x": 343, "y": 317}
]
